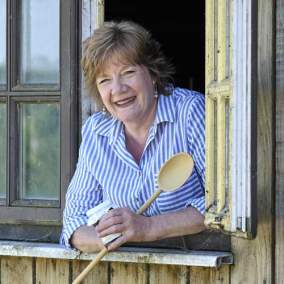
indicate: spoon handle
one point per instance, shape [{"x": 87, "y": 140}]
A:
[
  {"x": 149, "y": 201},
  {"x": 90, "y": 266},
  {"x": 104, "y": 251}
]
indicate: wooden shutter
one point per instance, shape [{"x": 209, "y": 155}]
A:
[
  {"x": 229, "y": 113},
  {"x": 92, "y": 18}
]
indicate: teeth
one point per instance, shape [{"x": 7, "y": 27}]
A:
[{"x": 125, "y": 101}]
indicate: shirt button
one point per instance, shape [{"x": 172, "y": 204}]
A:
[{"x": 137, "y": 201}]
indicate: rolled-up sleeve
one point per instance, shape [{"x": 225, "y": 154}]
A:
[{"x": 83, "y": 193}]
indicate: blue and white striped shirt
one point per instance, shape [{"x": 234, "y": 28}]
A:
[{"x": 106, "y": 170}]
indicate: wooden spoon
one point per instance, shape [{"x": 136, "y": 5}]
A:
[{"x": 172, "y": 175}]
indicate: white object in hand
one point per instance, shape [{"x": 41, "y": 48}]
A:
[
  {"x": 96, "y": 213},
  {"x": 109, "y": 238}
]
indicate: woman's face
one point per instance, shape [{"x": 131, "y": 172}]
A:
[{"x": 127, "y": 92}]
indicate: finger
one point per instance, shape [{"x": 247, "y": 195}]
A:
[
  {"x": 117, "y": 243},
  {"x": 112, "y": 213},
  {"x": 104, "y": 224},
  {"x": 124, "y": 211},
  {"x": 111, "y": 230}
]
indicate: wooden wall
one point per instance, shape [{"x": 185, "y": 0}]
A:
[
  {"x": 25, "y": 270},
  {"x": 262, "y": 260},
  {"x": 255, "y": 258},
  {"x": 279, "y": 185},
  {"x": 257, "y": 261}
]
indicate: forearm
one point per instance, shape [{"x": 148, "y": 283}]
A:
[
  {"x": 85, "y": 239},
  {"x": 185, "y": 222}
]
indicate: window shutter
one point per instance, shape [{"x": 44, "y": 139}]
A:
[
  {"x": 92, "y": 18},
  {"x": 230, "y": 156}
]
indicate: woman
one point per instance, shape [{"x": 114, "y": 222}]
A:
[{"x": 143, "y": 121}]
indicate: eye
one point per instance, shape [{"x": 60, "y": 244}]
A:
[
  {"x": 128, "y": 71},
  {"x": 102, "y": 81}
]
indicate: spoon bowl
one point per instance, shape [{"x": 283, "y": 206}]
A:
[
  {"x": 175, "y": 171},
  {"x": 172, "y": 175}
]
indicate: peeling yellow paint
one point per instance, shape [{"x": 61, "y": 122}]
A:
[{"x": 218, "y": 116}]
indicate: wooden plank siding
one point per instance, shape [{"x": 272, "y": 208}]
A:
[
  {"x": 99, "y": 274},
  {"x": 256, "y": 261},
  {"x": 27, "y": 270},
  {"x": 279, "y": 184},
  {"x": 17, "y": 270},
  {"x": 160, "y": 274},
  {"x": 50, "y": 271},
  {"x": 254, "y": 258},
  {"x": 129, "y": 273}
]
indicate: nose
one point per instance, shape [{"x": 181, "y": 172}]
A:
[{"x": 118, "y": 87}]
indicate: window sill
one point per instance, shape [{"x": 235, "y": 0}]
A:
[{"x": 124, "y": 254}]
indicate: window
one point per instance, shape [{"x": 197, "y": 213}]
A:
[
  {"x": 174, "y": 24},
  {"x": 38, "y": 117},
  {"x": 3, "y": 73},
  {"x": 230, "y": 116},
  {"x": 38, "y": 105},
  {"x": 230, "y": 104},
  {"x": 2, "y": 148}
]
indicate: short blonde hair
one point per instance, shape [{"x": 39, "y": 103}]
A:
[{"x": 130, "y": 43}]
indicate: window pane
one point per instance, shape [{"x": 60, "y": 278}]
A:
[
  {"x": 39, "y": 151},
  {"x": 2, "y": 42},
  {"x": 2, "y": 150},
  {"x": 39, "y": 42}
]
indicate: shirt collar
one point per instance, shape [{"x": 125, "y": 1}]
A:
[
  {"x": 166, "y": 110},
  {"x": 109, "y": 127}
]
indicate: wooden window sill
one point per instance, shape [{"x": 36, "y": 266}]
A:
[{"x": 124, "y": 254}]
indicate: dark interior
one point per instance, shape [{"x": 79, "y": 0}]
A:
[{"x": 179, "y": 28}]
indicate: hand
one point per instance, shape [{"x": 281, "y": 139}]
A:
[
  {"x": 133, "y": 227},
  {"x": 85, "y": 239}
]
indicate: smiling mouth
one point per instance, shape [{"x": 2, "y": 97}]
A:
[{"x": 125, "y": 102}]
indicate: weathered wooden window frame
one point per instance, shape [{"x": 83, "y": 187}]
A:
[
  {"x": 92, "y": 18},
  {"x": 231, "y": 116},
  {"x": 231, "y": 34},
  {"x": 41, "y": 220},
  {"x": 133, "y": 255},
  {"x": 123, "y": 254},
  {"x": 89, "y": 23}
]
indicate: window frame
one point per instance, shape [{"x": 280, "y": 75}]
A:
[
  {"x": 3, "y": 87},
  {"x": 70, "y": 122},
  {"x": 226, "y": 35},
  {"x": 93, "y": 17},
  {"x": 3, "y": 100},
  {"x": 40, "y": 215},
  {"x": 230, "y": 67},
  {"x": 15, "y": 56}
]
